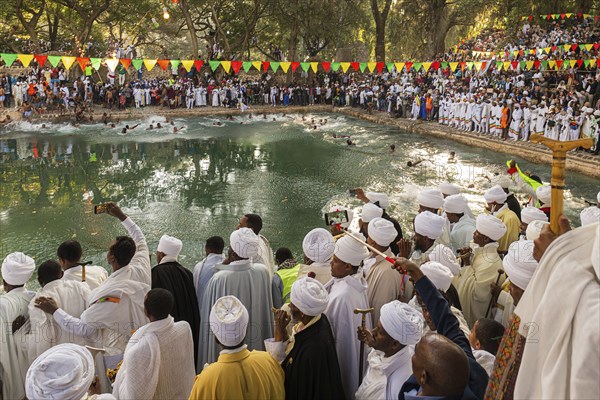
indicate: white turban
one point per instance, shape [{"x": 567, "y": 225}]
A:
[
  {"x": 455, "y": 204},
  {"x": 544, "y": 194},
  {"x": 244, "y": 242},
  {"x": 382, "y": 231},
  {"x": 402, "y": 322},
  {"x": 170, "y": 245},
  {"x": 503, "y": 181},
  {"x": 438, "y": 274},
  {"x": 64, "y": 372},
  {"x": 229, "y": 320},
  {"x": 382, "y": 198},
  {"x": 534, "y": 229},
  {"x": 431, "y": 198},
  {"x": 17, "y": 268},
  {"x": 598, "y": 197},
  {"x": 429, "y": 224},
  {"x": 318, "y": 245},
  {"x": 495, "y": 195},
  {"x": 350, "y": 251},
  {"x": 448, "y": 189},
  {"x": 370, "y": 211},
  {"x": 519, "y": 263},
  {"x": 490, "y": 226},
  {"x": 309, "y": 296},
  {"x": 529, "y": 214},
  {"x": 445, "y": 256},
  {"x": 590, "y": 215}
]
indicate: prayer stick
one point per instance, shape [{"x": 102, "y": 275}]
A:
[
  {"x": 368, "y": 246},
  {"x": 500, "y": 272}
]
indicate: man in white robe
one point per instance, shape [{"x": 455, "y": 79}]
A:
[
  {"x": 265, "y": 253},
  {"x": 428, "y": 229},
  {"x": 462, "y": 226},
  {"x": 17, "y": 268},
  {"x": 205, "y": 269},
  {"x": 347, "y": 292},
  {"x": 69, "y": 255},
  {"x": 318, "y": 248}
]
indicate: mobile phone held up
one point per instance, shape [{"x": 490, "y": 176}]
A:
[
  {"x": 352, "y": 192},
  {"x": 100, "y": 208},
  {"x": 336, "y": 217}
]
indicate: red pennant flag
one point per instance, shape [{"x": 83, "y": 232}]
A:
[
  {"x": 579, "y": 62},
  {"x": 40, "y": 59},
  {"x": 198, "y": 64},
  {"x": 236, "y": 66},
  {"x": 462, "y": 64},
  {"x": 521, "y": 53},
  {"x": 596, "y": 46},
  {"x": 559, "y": 64},
  {"x": 563, "y": 16},
  {"x": 574, "y": 47},
  {"x": 506, "y": 54},
  {"x": 126, "y": 62},
  {"x": 164, "y": 64},
  {"x": 295, "y": 65},
  {"x": 326, "y": 65},
  {"x": 435, "y": 65},
  {"x": 265, "y": 65},
  {"x": 355, "y": 66},
  {"x": 537, "y": 64},
  {"x": 597, "y": 17},
  {"x": 83, "y": 62},
  {"x": 580, "y": 15},
  {"x": 380, "y": 66},
  {"x": 514, "y": 64},
  {"x": 483, "y": 64},
  {"x": 549, "y": 16},
  {"x": 554, "y": 48},
  {"x": 531, "y": 18},
  {"x": 408, "y": 66}
]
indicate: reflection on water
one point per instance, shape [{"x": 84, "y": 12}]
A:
[{"x": 198, "y": 184}]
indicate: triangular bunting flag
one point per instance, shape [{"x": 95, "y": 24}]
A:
[
  {"x": 593, "y": 63},
  {"x": 588, "y": 47},
  {"x": 499, "y": 65},
  {"x": 285, "y": 66},
  {"x": 295, "y": 65},
  {"x": 226, "y": 66},
  {"x": 574, "y": 47},
  {"x": 444, "y": 65},
  {"x": 326, "y": 65},
  {"x": 547, "y": 50},
  {"x": 335, "y": 66},
  {"x": 453, "y": 66},
  {"x": 362, "y": 66},
  {"x": 9, "y": 58},
  {"x": 399, "y": 66},
  {"x": 572, "y": 63},
  {"x": 536, "y": 64},
  {"x": 483, "y": 64},
  {"x": 469, "y": 65},
  {"x": 175, "y": 64},
  {"x": 305, "y": 66},
  {"x": 389, "y": 66},
  {"x": 544, "y": 64},
  {"x": 25, "y": 59},
  {"x": 379, "y": 67},
  {"x": 83, "y": 62},
  {"x": 596, "y": 46},
  {"x": 257, "y": 64},
  {"x": 579, "y": 63},
  {"x": 478, "y": 65},
  {"x": 345, "y": 66},
  {"x": 569, "y": 15},
  {"x": 112, "y": 63},
  {"x": 265, "y": 66},
  {"x": 41, "y": 59},
  {"x": 198, "y": 64},
  {"x": 236, "y": 66},
  {"x": 149, "y": 63},
  {"x": 522, "y": 65},
  {"x": 214, "y": 64},
  {"x": 567, "y": 47},
  {"x": 586, "y": 63},
  {"x": 506, "y": 65},
  {"x": 559, "y": 64},
  {"x": 417, "y": 66},
  {"x": 529, "y": 65},
  {"x": 426, "y": 66},
  {"x": 138, "y": 62},
  {"x": 436, "y": 65},
  {"x": 355, "y": 66},
  {"x": 125, "y": 62},
  {"x": 408, "y": 65},
  {"x": 314, "y": 66},
  {"x": 275, "y": 65},
  {"x": 247, "y": 65},
  {"x": 67, "y": 61},
  {"x": 552, "y": 64},
  {"x": 96, "y": 62},
  {"x": 371, "y": 66},
  {"x": 163, "y": 64},
  {"x": 462, "y": 64},
  {"x": 187, "y": 64}
]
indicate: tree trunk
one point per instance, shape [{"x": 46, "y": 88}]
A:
[
  {"x": 380, "y": 18},
  {"x": 52, "y": 30},
  {"x": 190, "y": 25},
  {"x": 439, "y": 25},
  {"x": 30, "y": 26}
]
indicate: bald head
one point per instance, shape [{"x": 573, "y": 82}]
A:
[{"x": 440, "y": 366}]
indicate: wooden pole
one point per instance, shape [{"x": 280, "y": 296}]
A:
[{"x": 559, "y": 157}]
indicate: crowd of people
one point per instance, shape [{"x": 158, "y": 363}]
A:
[{"x": 365, "y": 312}]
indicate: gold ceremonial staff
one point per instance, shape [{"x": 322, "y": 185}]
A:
[{"x": 559, "y": 156}]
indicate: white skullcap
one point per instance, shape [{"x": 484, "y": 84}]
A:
[
  {"x": 170, "y": 245},
  {"x": 519, "y": 263},
  {"x": 430, "y": 198},
  {"x": 448, "y": 188},
  {"x": 495, "y": 194},
  {"x": 429, "y": 224},
  {"x": 598, "y": 197},
  {"x": 455, "y": 204},
  {"x": 229, "y": 320},
  {"x": 350, "y": 251},
  {"x": 590, "y": 215},
  {"x": 438, "y": 274},
  {"x": 490, "y": 226},
  {"x": 503, "y": 181},
  {"x": 244, "y": 242},
  {"x": 318, "y": 245},
  {"x": 382, "y": 231},
  {"x": 445, "y": 256},
  {"x": 17, "y": 268},
  {"x": 529, "y": 214},
  {"x": 309, "y": 296},
  {"x": 382, "y": 198},
  {"x": 370, "y": 211},
  {"x": 64, "y": 371},
  {"x": 534, "y": 229},
  {"x": 402, "y": 322},
  {"x": 544, "y": 194}
]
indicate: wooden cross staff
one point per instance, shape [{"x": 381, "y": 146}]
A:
[{"x": 559, "y": 156}]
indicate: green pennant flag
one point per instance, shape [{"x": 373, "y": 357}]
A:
[
  {"x": 586, "y": 63},
  {"x": 389, "y": 66},
  {"x": 95, "y": 63},
  {"x": 335, "y": 66},
  {"x": 214, "y": 65},
  {"x": 499, "y": 64},
  {"x": 305, "y": 66},
  {"x": 470, "y": 65},
  {"x": 523, "y": 64},
  {"x": 444, "y": 65},
  {"x": 275, "y": 65},
  {"x": 175, "y": 64},
  {"x": 545, "y": 64},
  {"x": 247, "y": 65},
  {"x": 8, "y": 58},
  {"x": 417, "y": 66},
  {"x": 363, "y": 66},
  {"x": 137, "y": 63},
  {"x": 54, "y": 60}
]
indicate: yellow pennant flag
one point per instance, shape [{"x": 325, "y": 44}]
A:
[
  {"x": 552, "y": 64},
  {"x": 569, "y": 15},
  {"x": 285, "y": 66},
  {"x": 588, "y": 47},
  {"x": 257, "y": 64},
  {"x": 506, "y": 65},
  {"x": 547, "y": 50},
  {"x": 371, "y": 66},
  {"x": 112, "y": 64},
  {"x": 426, "y": 66},
  {"x": 567, "y": 47},
  {"x": 226, "y": 65},
  {"x": 593, "y": 63},
  {"x": 399, "y": 66},
  {"x": 314, "y": 66},
  {"x": 572, "y": 63},
  {"x": 478, "y": 65},
  {"x": 529, "y": 65},
  {"x": 149, "y": 63},
  {"x": 68, "y": 61},
  {"x": 25, "y": 59},
  {"x": 453, "y": 66},
  {"x": 187, "y": 64},
  {"x": 345, "y": 66}
]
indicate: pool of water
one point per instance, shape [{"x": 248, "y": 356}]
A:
[{"x": 197, "y": 183}]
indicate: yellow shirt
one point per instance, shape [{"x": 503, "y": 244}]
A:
[
  {"x": 240, "y": 375},
  {"x": 513, "y": 228}
]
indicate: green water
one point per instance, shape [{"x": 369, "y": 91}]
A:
[{"x": 197, "y": 184}]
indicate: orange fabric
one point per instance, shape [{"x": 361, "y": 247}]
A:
[
  {"x": 429, "y": 103},
  {"x": 504, "y": 118}
]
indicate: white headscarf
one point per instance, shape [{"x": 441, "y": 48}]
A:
[
  {"x": 382, "y": 198},
  {"x": 449, "y": 189},
  {"x": 17, "y": 268},
  {"x": 170, "y": 245},
  {"x": 309, "y": 296},
  {"x": 63, "y": 372},
  {"x": 244, "y": 242},
  {"x": 402, "y": 322},
  {"x": 438, "y": 274},
  {"x": 490, "y": 226},
  {"x": 495, "y": 194},
  {"x": 519, "y": 263},
  {"x": 229, "y": 320},
  {"x": 318, "y": 245},
  {"x": 350, "y": 251},
  {"x": 429, "y": 224},
  {"x": 544, "y": 194},
  {"x": 370, "y": 211},
  {"x": 588, "y": 216},
  {"x": 431, "y": 198},
  {"x": 534, "y": 229},
  {"x": 445, "y": 256},
  {"x": 529, "y": 214},
  {"x": 382, "y": 231},
  {"x": 455, "y": 204}
]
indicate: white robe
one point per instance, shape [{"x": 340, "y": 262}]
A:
[
  {"x": 462, "y": 233},
  {"x": 94, "y": 275},
  {"x": 385, "y": 375},
  {"x": 322, "y": 271},
  {"x": 345, "y": 295}
]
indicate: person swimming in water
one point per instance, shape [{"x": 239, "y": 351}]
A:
[
  {"x": 150, "y": 127},
  {"x": 393, "y": 148},
  {"x": 414, "y": 164},
  {"x": 350, "y": 143}
]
